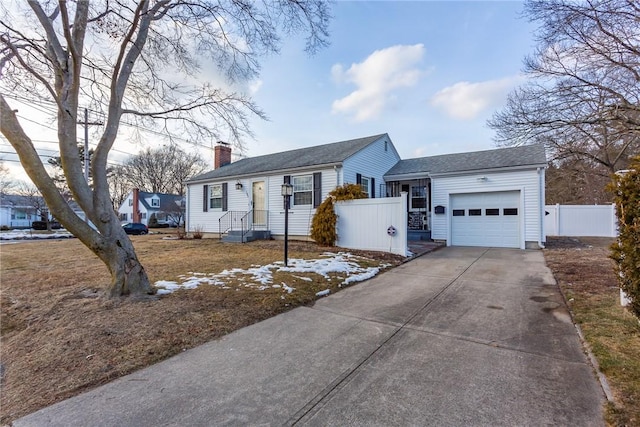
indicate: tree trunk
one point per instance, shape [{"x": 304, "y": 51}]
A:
[{"x": 128, "y": 277}]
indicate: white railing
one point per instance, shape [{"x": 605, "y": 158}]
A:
[
  {"x": 581, "y": 220},
  {"x": 373, "y": 224}
]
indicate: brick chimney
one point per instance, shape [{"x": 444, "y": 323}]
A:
[
  {"x": 136, "y": 205},
  {"x": 222, "y": 156}
]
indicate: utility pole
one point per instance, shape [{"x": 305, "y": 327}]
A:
[{"x": 86, "y": 156}]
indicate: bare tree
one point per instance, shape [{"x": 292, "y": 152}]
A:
[
  {"x": 119, "y": 186},
  {"x": 163, "y": 170},
  {"x": 577, "y": 182},
  {"x": 34, "y": 200},
  {"x": 139, "y": 60},
  {"x": 6, "y": 183},
  {"x": 583, "y": 96}
]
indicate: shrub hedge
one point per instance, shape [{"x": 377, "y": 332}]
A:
[
  {"x": 626, "y": 251},
  {"x": 323, "y": 225}
]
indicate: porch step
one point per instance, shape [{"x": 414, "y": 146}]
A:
[
  {"x": 235, "y": 236},
  {"x": 418, "y": 235}
]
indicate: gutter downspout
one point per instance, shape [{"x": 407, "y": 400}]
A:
[{"x": 542, "y": 196}]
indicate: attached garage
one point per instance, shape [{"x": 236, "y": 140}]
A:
[
  {"x": 492, "y": 198},
  {"x": 486, "y": 219}
]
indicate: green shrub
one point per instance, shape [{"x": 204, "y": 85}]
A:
[
  {"x": 626, "y": 251},
  {"x": 323, "y": 225}
]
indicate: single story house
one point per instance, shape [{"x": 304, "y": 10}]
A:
[
  {"x": 486, "y": 198},
  {"x": 168, "y": 208},
  {"x": 17, "y": 211}
]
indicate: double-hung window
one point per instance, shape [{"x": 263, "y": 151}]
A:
[
  {"x": 215, "y": 196},
  {"x": 155, "y": 202},
  {"x": 418, "y": 197},
  {"x": 365, "y": 184},
  {"x": 302, "y": 190}
]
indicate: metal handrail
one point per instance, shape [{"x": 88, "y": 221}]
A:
[
  {"x": 241, "y": 220},
  {"x": 246, "y": 224},
  {"x": 229, "y": 221}
]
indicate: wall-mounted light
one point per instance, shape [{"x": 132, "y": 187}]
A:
[
  {"x": 238, "y": 185},
  {"x": 483, "y": 179}
]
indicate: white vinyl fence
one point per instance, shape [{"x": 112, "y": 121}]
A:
[
  {"x": 581, "y": 220},
  {"x": 373, "y": 224}
]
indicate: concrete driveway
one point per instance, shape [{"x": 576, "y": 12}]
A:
[{"x": 461, "y": 336}]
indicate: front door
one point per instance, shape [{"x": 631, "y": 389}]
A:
[{"x": 259, "y": 211}]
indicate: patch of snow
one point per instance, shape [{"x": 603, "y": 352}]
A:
[
  {"x": 261, "y": 277},
  {"x": 289, "y": 289},
  {"x": 30, "y": 235},
  {"x": 323, "y": 293}
]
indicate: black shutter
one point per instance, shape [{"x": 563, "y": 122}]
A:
[
  {"x": 317, "y": 189},
  {"x": 224, "y": 196},
  {"x": 287, "y": 180},
  {"x": 358, "y": 179},
  {"x": 373, "y": 188},
  {"x": 205, "y": 198}
]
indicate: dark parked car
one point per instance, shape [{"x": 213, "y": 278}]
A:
[
  {"x": 42, "y": 225},
  {"x": 135, "y": 228}
]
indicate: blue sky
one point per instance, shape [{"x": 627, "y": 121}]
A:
[{"x": 428, "y": 73}]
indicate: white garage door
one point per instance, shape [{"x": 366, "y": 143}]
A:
[{"x": 486, "y": 219}]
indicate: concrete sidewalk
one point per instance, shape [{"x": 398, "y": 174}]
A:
[{"x": 461, "y": 336}]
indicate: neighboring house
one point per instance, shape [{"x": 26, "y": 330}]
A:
[
  {"x": 167, "y": 207},
  {"x": 486, "y": 198},
  {"x": 18, "y": 211}
]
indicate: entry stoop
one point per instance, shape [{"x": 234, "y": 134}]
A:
[{"x": 235, "y": 236}]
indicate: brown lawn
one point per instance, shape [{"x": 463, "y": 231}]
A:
[
  {"x": 586, "y": 276},
  {"x": 60, "y": 337}
]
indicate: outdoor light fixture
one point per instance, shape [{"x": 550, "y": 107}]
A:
[
  {"x": 287, "y": 192},
  {"x": 482, "y": 178},
  {"x": 238, "y": 185}
]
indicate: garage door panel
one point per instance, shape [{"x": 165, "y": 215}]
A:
[{"x": 495, "y": 229}]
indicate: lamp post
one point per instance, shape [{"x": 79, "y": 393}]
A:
[{"x": 287, "y": 192}]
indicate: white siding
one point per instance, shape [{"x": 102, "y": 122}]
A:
[
  {"x": 237, "y": 200},
  {"x": 372, "y": 161},
  {"x": 299, "y": 216},
  {"x": 526, "y": 181},
  {"x": 240, "y": 200}
]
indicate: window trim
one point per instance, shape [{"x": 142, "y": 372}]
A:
[
  {"x": 309, "y": 178},
  {"x": 424, "y": 197},
  {"x": 366, "y": 190},
  {"x": 211, "y": 198}
]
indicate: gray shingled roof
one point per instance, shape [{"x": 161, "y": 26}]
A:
[
  {"x": 336, "y": 152},
  {"x": 167, "y": 201},
  {"x": 460, "y": 162}
]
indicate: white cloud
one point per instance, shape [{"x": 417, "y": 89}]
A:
[
  {"x": 376, "y": 78},
  {"x": 254, "y": 86},
  {"x": 466, "y": 100}
]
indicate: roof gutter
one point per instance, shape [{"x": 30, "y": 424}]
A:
[
  {"x": 266, "y": 173},
  {"x": 490, "y": 170}
]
